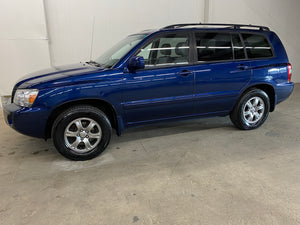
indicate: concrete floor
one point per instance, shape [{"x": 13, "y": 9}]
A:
[{"x": 196, "y": 172}]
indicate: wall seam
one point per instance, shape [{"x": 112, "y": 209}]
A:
[{"x": 48, "y": 32}]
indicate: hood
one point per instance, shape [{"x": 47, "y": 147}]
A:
[{"x": 56, "y": 74}]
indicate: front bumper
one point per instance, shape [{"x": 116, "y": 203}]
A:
[
  {"x": 8, "y": 110},
  {"x": 28, "y": 121}
]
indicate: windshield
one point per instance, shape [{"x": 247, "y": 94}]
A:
[{"x": 114, "y": 54}]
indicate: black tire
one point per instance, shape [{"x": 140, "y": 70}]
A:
[
  {"x": 100, "y": 128},
  {"x": 243, "y": 120}
]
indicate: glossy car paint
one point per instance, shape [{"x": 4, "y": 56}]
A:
[{"x": 152, "y": 95}]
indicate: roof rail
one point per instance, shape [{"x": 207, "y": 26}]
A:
[{"x": 231, "y": 26}]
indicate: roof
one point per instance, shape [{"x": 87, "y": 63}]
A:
[
  {"x": 206, "y": 26},
  {"x": 215, "y": 25}
]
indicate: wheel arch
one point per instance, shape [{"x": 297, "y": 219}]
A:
[
  {"x": 266, "y": 88},
  {"x": 104, "y": 106}
]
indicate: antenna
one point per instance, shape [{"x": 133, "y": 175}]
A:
[{"x": 92, "y": 41}]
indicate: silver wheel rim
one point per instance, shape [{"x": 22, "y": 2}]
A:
[
  {"x": 82, "y": 135},
  {"x": 254, "y": 110}
]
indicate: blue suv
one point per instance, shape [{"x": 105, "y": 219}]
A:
[{"x": 178, "y": 72}]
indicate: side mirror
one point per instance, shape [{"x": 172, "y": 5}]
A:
[{"x": 136, "y": 63}]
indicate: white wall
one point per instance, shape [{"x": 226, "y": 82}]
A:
[
  {"x": 23, "y": 41},
  {"x": 25, "y": 48},
  {"x": 283, "y": 17},
  {"x": 71, "y": 22}
]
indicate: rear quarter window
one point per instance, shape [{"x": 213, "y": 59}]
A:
[{"x": 257, "y": 46}]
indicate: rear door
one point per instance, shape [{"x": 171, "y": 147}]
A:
[
  {"x": 221, "y": 71},
  {"x": 165, "y": 88}
]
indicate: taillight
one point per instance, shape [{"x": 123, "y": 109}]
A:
[{"x": 289, "y": 72}]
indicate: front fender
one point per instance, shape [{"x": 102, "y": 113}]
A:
[{"x": 60, "y": 97}]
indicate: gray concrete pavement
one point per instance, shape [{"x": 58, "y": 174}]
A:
[{"x": 194, "y": 172}]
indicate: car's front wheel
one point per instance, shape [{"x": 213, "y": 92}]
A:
[
  {"x": 81, "y": 132},
  {"x": 252, "y": 110}
]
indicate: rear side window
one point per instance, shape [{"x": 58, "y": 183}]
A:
[
  {"x": 238, "y": 47},
  {"x": 213, "y": 46},
  {"x": 257, "y": 46}
]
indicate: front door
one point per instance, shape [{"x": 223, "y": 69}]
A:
[{"x": 165, "y": 88}]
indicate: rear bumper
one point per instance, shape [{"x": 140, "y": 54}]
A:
[
  {"x": 283, "y": 91},
  {"x": 28, "y": 121}
]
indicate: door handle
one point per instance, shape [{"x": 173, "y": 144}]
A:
[
  {"x": 242, "y": 67},
  {"x": 185, "y": 73}
]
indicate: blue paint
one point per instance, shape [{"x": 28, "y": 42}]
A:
[{"x": 152, "y": 95}]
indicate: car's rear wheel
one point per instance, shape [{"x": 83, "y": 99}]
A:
[
  {"x": 252, "y": 110},
  {"x": 81, "y": 132}
]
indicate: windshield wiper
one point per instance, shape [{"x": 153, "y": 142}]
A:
[{"x": 93, "y": 63}]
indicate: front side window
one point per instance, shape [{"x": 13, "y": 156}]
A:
[
  {"x": 257, "y": 46},
  {"x": 213, "y": 46},
  {"x": 167, "y": 50}
]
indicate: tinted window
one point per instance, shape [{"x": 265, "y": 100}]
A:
[
  {"x": 238, "y": 48},
  {"x": 213, "y": 46},
  {"x": 257, "y": 46},
  {"x": 169, "y": 49}
]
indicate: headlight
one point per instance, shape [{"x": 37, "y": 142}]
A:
[{"x": 25, "y": 97}]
